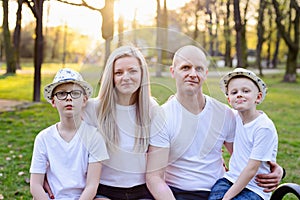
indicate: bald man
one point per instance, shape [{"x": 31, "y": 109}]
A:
[{"x": 185, "y": 152}]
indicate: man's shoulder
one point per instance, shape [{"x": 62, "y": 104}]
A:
[{"x": 216, "y": 103}]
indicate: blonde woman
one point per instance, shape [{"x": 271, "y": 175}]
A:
[{"x": 122, "y": 114}]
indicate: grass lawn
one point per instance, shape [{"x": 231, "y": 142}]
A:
[{"x": 19, "y": 128}]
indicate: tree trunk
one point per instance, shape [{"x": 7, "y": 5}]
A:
[
  {"x": 275, "y": 55},
  {"x": 238, "y": 29},
  {"x": 209, "y": 25},
  {"x": 107, "y": 28},
  {"x": 9, "y": 51},
  {"x": 291, "y": 67},
  {"x": 158, "y": 72},
  {"x": 55, "y": 43},
  {"x": 292, "y": 43},
  {"x": 17, "y": 34},
  {"x": 38, "y": 49},
  {"x": 227, "y": 34},
  {"x": 269, "y": 37},
  {"x": 260, "y": 34},
  {"x": 121, "y": 30}
]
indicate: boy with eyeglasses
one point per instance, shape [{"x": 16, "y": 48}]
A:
[{"x": 68, "y": 153}]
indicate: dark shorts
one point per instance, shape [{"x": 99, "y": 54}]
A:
[
  {"x": 223, "y": 185},
  {"x": 117, "y": 193},
  {"x": 189, "y": 195}
]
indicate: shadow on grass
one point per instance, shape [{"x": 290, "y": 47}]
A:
[{"x": 3, "y": 76}]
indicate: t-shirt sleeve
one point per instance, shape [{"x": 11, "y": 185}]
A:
[
  {"x": 89, "y": 114},
  {"x": 39, "y": 156},
  {"x": 158, "y": 132},
  {"x": 231, "y": 125},
  {"x": 264, "y": 141},
  {"x": 94, "y": 143}
]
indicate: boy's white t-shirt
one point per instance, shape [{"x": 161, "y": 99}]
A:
[
  {"x": 256, "y": 140},
  {"x": 125, "y": 168},
  {"x": 65, "y": 163},
  {"x": 195, "y": 142}
]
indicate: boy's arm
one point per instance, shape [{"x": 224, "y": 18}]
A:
[
  {"x": 247, "y": 174},
  {"x": 36, "y": 186},
  {"x": 92, "y": 181},
  {"x": 270, "y": 181},
  {"x": 157, "y": 161}
]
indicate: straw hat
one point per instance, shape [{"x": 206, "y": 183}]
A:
[
  {"x": 262, "y": 87},
  {"x": 66, "y": 75}
]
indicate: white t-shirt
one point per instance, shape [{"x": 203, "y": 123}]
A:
[
  {"x": 125, "y": 167},
  {"x": 257, "y": 140},
  {"x": 195, "y": 142},
  {"x": 65, "y": 163}
]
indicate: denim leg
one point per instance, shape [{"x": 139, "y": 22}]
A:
[
  {"x": 223, "y": 185},
  {"x": 247, "y": 195},
  {"x": 219, "y": 189}
]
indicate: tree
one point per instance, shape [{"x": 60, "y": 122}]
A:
[
  {"x": 36, "y": 6},
  {"x": 227, "y": 34},
  {"x": 107, "y": 13},
  {"x": 260, "y": 34},
  {"x": 9, "y": 51},
  {"x": 289, "y": 31},
  {"x": 107, "y": 25},
  {"x": 17, "y": 34},
  {"x": 240, "y": 28}
]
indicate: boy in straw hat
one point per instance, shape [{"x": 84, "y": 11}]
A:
[
  {"x": 69, "y": 152},
  {"x": 255, "y": 140}
]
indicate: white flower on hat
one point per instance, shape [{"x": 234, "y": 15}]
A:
[
  {"x": 262, "y": 87},
  {"x": 66, "y": 75}
]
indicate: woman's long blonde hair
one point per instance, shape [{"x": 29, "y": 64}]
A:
[{"x": 108, "y": 99}]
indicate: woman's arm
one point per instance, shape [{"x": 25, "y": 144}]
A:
[
  {"x": 157, "y": 160},
  {"x": 36, "y": 186},
  {"x": 247, "y": 174},
  {"x": 92, "y": 181}
]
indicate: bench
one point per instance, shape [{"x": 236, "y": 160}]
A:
[{"x": 284, "y": 189}]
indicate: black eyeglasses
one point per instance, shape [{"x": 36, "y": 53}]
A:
[{"x": 75, "y": 94}]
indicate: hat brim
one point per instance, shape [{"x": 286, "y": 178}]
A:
[{"x": 48, "y": 89}]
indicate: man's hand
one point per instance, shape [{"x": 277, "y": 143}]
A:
[
  {"x": 270, "y": 181},
  {"x": 47, "y": 188}
]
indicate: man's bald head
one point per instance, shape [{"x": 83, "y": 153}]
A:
[{"x": 189, "y": 53}]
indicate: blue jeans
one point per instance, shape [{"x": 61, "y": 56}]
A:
[
  {"x": 189, "y": 195},
  {"x": 117, "y": 193},
  {"x": 222, "y": 186}
]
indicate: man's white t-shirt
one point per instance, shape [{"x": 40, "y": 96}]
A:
[
  {"x": 256, "y": 140},
  {"x": 65, "y": 163},
  {"x": 195, "y": 142}
]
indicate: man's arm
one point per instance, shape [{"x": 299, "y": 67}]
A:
[
  {"x": 36, "y": 186},
  {"x": 270, "y": 181},
  {"x": 47, "y": 188},
  {"x": 92, "y": 181},
  {"x": 157, "y": 161}
]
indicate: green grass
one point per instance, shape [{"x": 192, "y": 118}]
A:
[{"x": 19, "y": 128}]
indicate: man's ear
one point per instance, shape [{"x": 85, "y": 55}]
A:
[{"x": 172, "y": 70}]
